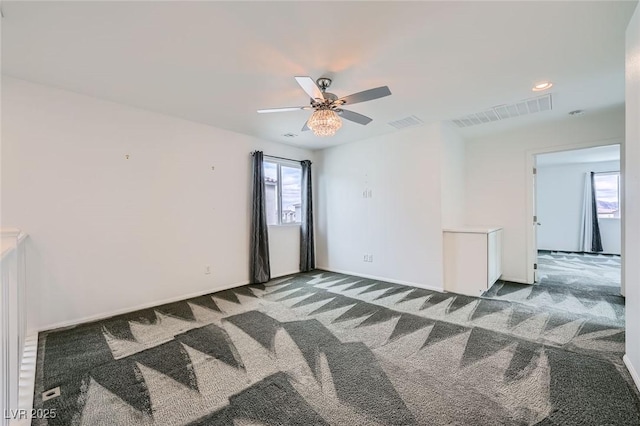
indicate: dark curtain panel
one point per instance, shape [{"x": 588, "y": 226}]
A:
[
  {"x": 596, "y": 241},
  {"x": 307, "y": 251},
  {"x": 260, "y": 268}
]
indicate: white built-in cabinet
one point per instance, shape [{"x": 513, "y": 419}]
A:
[{"x": 472, "y": 259}]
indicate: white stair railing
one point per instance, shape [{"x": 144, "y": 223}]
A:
[{"x": 13, "y": 322}]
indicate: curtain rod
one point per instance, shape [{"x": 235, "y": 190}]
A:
[{"x": 279, "y": 158}]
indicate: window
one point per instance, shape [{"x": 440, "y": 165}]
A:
[
  {"x": 283, "y": 195},
  {"x": 607, "y": 186}
]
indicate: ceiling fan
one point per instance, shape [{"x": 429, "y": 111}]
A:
[{"x": 327, "y": 107}]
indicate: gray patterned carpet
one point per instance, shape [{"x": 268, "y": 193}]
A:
[
  {"x": 579, "y": 284},
  {"x": 325, "y": 348},
  {"x": 580, "y": 270}
]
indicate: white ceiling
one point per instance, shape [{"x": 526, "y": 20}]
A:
[
  {"x": 218, "y": 62},
  {"x": 587, "y": 155}
]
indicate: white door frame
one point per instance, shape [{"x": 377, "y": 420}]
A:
[{"x": 532, "y": 250}]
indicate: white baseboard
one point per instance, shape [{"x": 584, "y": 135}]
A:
[
  {"x": 514, "y": 280},
  {"x": 104, "y": 315},
  {"x": 632, "y": 371},
  {"x": 284, "y": 274},
  {"x": 389, "y": 280}
]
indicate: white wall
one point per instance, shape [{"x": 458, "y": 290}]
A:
[
  {"x": 400, "y": 225},
  {"x": 611, "y": 235},
  {"x": 631, "y": 219},
  {"x": 453, "y": 170},
  {"x": 560, "y": 200},
  {"x": 109, "y": 234},
  {"x": 498, "y": 176}
]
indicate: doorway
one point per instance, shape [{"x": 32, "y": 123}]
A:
[{"x": 577, "y": 220}]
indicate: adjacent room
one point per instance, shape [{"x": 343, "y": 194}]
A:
[
  {"x": 320, "y": 213},
  {"x": 577, "y": 229},
  {"x": 576, "y": 246}
]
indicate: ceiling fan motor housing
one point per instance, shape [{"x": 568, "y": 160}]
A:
[
  {"x": 330, "y": 97},
  {"x": 329, "y": 101}
]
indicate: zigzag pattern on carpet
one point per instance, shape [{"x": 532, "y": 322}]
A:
[
  {"x": 388, "y": 300},
  {"x": 327, "y": 348}
]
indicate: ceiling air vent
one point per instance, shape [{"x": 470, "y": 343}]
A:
[
  {"x": 403, "y": 123},
  {"x": 502, "y": 112}
]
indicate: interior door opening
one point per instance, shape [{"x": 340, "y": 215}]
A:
[{"x": 577, "y": 221}]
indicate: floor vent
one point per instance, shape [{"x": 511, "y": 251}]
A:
[
  {"x": 502, "y": 112},
  {"x": 50, "y": 394},
  {"x": 403, "y": 123}
]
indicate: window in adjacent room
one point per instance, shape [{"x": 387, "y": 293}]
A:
[
  {"x": 607, "y": 186},
  {"x": 283, "y": 195}
]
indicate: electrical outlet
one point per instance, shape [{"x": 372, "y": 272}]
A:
[
  {"x": 207, "y": 270},
  {"x": 365, "y": 258},
  {"x": 371, "y": 258},
  {"x": 369, "y": 194}
]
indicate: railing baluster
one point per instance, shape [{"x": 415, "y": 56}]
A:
[{"x": 13, "y": 320}]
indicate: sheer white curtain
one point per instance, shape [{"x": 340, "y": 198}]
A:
[{"x": 590, "y": 230}]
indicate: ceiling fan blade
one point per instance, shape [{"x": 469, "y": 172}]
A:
[
  {"x": 367, "y": 95},
  {"x": 262, "y": 111},
  {"x": 355, "y": 117},
  {"x": 305, "y": 127},
  {"x": 310, "y": 86}
]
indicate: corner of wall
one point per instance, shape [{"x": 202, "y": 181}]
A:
[
  {"x": 400, "y": 173},
  {"x": 631, "y": 199},
  {"x": 453, "y": 176}
]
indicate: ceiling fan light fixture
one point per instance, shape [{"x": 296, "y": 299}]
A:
[{"x": 324, "y": 122}]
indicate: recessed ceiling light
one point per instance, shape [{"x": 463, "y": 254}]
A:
[{"x": 543, "y": 85}]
